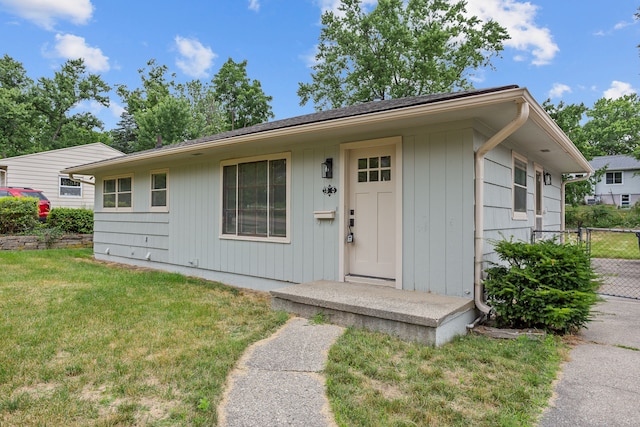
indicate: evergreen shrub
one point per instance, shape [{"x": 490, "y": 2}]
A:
[{"x": 544, "y": 285}]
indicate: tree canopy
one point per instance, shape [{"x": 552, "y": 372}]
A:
[
  {"x": 38, "y": 116},
  {"x": 398, "y": 49}
]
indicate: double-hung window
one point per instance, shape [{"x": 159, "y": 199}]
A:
[
  {"x": 117, "y": 193},
  {"x": 519, "y": 188},
  {"x": 614, "y": 178},
  {"x": 255, "y": 198},
  {"x": 159, "y": 190}
]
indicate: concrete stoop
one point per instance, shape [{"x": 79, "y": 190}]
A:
[{"x": 413, "y": 316}]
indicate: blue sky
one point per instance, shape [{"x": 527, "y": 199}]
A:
[{"x": 570, "y": 50}]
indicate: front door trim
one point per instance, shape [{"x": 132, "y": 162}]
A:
[{"x": 345, "y": 149}]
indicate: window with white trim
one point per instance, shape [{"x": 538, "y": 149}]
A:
[
  {"x": 117, "y": 193},
  {"x": 3, "y": 177},
  {"x": 68, "y": 187},
  {"x": 255, "y": 198},
  {"x": 159, "y": 190},
  {"x": 613, "y": 178},
  {"x": 519, "y": 187}
]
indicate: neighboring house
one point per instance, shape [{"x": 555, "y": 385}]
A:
[
  {"x": 620, "y": 183},
  {"x": 42, "y": 172},
  {"x": 384, "y": 191}
]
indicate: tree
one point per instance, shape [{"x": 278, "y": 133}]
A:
[
  {"x": 16, "y": 110},
  {"x": 614, "y": 126},
  {"x": 125, "y": 136},
  {"x": 243, "y": 101},
  {"x": 400, "y": 48},
  {"x": 55, "y": 98},
  {"x": 38, "y": 116},
  {"x": 168, "y": 120},
  {"x": 166, "y": 110},
  {"x": 207, "y": 115}
]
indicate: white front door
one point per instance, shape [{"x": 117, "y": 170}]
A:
[{"x": 371, "y": 212}]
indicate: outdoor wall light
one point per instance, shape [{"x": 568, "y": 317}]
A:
[
  {"x": 547, "y": 178},
  {"x": 327, "y": 168}
]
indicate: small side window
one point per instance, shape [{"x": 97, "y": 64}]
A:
[{"x": 159, "y": 190}]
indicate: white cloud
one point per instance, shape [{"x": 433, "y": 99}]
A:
[
  {"x": 517, "y": 17},
  {"x": 195, "y": 59},
  {"x": 618, "y": 89},
  {"x": 45, "y": 13},
  {"x": 116, "y": 109},
  {"x": 332, "y": 5},
  {"x": 69, "y": 46},
  {"x": 254, "y": 5},
  {"x": 519, "y": 20},
  {"x": 558, "y": 90}
]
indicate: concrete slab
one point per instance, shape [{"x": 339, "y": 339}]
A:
[
  {"x": 417, "y": 316},
  {"x": 419, "y": 308}
]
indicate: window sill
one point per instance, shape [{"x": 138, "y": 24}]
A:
[{"x": 255, "y": 239}]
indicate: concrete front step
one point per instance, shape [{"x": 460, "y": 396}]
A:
[{"x": 414, "y": 316}]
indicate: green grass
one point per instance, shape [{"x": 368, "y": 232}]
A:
[
  {"x": 616, "y": 245},
  {"x": 91, "y": 344},
  {"x": 374, "y": 379},
  {"x": 86, "y": 343}
]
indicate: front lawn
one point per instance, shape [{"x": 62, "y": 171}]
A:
[{"x": 86, "y": 343}]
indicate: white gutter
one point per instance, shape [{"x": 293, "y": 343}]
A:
[
  {"x": 562, "y": 192},
  {"x": 493, "y": 142}
]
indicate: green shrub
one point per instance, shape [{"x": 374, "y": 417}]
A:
[
  {"x": 18, "y": 214},
  {"x": 545, "y": 285},
  {"x": 71, "y": 220}
]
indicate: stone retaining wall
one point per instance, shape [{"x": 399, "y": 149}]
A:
[{"x": 18, "y": 243}]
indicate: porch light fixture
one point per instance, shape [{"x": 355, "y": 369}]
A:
[
  {"x": 547, "y": 178},
  {"x": 327, "y": 168}
]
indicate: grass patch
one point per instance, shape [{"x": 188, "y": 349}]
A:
[
  {"x": 614, "y": 245},
  {"x": 375, "y": 379},
  {"x": 85, "y": 343}
]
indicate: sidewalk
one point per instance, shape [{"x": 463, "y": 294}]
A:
[
  {"x": 278, "y": 380},
  {"x": 600, "y": 384}
]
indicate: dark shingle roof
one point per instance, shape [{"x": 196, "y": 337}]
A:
[
  {"x": 619, "y": 162},
  {"x": 352, "y": 111}
]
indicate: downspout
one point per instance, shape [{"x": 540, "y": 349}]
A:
[
  {"x": 493, "y": 142},
  {"x": 562, "y": 193}
]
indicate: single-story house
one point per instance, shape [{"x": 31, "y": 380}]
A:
[
  {"x": 41, "y": 171},
  {"x": 409, "y": 193},
  {"x": 620, "y": 183}
]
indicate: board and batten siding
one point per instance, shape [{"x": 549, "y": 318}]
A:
[
  {"x": 41, "y": 171},
  {"x": 438, "y": 212},
  {"x": 187, "y": 237},
  {"x": 498, "y": 201}
]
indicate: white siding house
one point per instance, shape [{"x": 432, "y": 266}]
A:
[
  {"x": 620, "y": 182},
  {"x": 41, "y": 171},
  {"x": 410, "y": 192}
]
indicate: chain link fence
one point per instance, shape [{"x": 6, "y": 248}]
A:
[{"x": 615, "y": 256}]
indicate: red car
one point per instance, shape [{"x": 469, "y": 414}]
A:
[{"x": 45, "y": 205}]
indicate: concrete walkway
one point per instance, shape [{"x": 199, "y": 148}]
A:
[
  {"x": 600, "y": 384},
  {"x": 278, "y": 381}
]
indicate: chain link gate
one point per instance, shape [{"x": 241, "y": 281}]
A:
[{"x": 615, "y": 256}]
